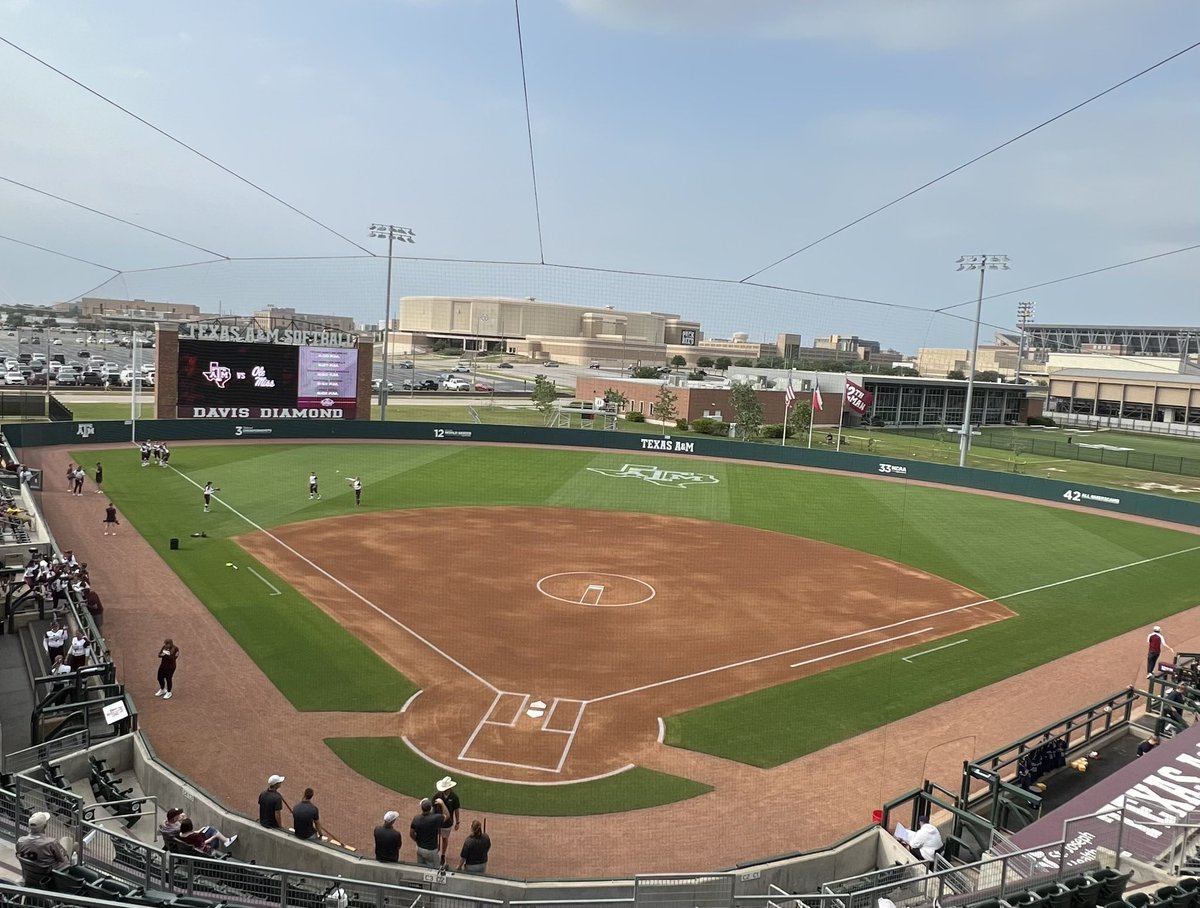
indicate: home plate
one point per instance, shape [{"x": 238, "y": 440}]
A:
[{"x": 536, "y": 710}]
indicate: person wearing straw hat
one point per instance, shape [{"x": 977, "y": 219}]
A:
[
  {"x": 450, "y": 806},
  {"x": 1155, "y": 642},
  {"x": 39, "y": 853}
]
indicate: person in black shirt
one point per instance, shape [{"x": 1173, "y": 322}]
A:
[
  {"x": 475, "y": 850},
  {"x": 426, "y": 831},
  {"x": 306, "y": 818},
  {"x": 270, "y": 804},
  {"x": 450, "y": 803},
  {"x": 388, "y": 839}
]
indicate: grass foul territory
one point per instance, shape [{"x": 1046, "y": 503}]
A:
[
  {"x": 1042, "y": 563},
  {"x": 390, "y": 763}
]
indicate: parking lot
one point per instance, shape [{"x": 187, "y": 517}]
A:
[{"x": 33, "y": 356}]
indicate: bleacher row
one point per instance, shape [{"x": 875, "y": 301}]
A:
[{"x": 1098, "y": 889}]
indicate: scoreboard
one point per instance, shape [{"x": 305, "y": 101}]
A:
[{"x": 219, "y": 379}]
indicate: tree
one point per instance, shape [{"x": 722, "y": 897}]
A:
[
  {"x": 663, "y": 409},
  {"x": 544, "y": 395},
  {"x": 616, "y": 399},
  {"x": 705, "y": 362},
  {"x": 956, "y": 373},
  {"x": 15, "y": 320},
  {"x": 723, "y": 363},
  {"x": 747, "y": 408},
  {"x": 678, "y": 361},
  {"x": 644, "y": 372},
  {"x": 743, "y": 363},
  {"x": 799, "y": 418},
  {"x": 987, "y": 375}
]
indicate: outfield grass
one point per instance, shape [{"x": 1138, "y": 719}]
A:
[
  {"x": 997, "y": 547},
  {"x": 390, "y": 763}
]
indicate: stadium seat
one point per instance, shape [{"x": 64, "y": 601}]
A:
[
  {"x": 1173, "y": 897},
  {"x": 1084, "y": 891},
  {"x": 74, "y": 879},
  {"x": 1112, "y": 884},
  {"x": 1055, "y": 895},
  {"x": 1139, "y": 899}
]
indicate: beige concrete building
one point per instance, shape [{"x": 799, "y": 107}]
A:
[
  {"x": 1058, "y": 362},
  {"x": 94, "y": 308},
  {"x": 1126, "y": 399},
  {"x": 282, "y": 317}
]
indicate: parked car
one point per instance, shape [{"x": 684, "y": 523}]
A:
[
  {"x": 427, "y": 385},
  {"x": 57, "y": 342},
  {"x": 505, "y": 366},
  {"x": 462, "y": 367},
  {"x": 456, "y": 384},
  {"x": 67, "y": 378},
  {"x": 35, "y": 340},
  {"x": 38, "y": 378},
  {"x": 91, "y": 380},
  {"x": 594, "y": 364},
  {"x": 550, "y": 364},
  {"x": 24, "y": 357},
  {"x": 483, "y": 386},
  {"x": 404, "y": 364},
  {"x": 13, "y": 377},
  {"x": 83, "y": 354},
  {"x": 377, "y": 383}
]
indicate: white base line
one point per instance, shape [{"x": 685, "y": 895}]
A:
[
  {"x": 513, "y": 765},
  {"x": 909, "y": 659},
  {"x": 562, "y": 731},
  {"x": 855, "y": 649},
  {"x": 479, "y": 726},
  {"x": 357, "y": 595},
  {"x": 474, "y": 775},
  {"x": 409, "y": 702},
  {"x": 571, "y": 737},
  {"x": 948, "y": 611},
  {"x": 264, "y": 580},
  {"x": 662, "y": 729}
]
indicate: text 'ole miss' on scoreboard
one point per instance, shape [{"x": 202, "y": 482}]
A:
[{"x": 222, "y": 380}]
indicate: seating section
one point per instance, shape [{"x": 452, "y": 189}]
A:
[{"x": 106, "y": 788}]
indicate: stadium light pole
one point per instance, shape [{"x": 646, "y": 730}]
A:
[
  {"x": 391, "y": 233},
  {"x": 982, "y": 264},
  {"x": 1024, "y": 317}
]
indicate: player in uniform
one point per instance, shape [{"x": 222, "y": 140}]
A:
[
  {"x": 356, "y": 483},
  {"x": 313, "y": 493},
  {"x": 208, "y": 491},
  {"x": 156, "y": 450},
  {"x": 110, "y": 520},
  {"x": 166, "y": 456},
  {"x": 145, "y": 453}
]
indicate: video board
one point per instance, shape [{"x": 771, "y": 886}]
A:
[{"x": 219, "y": 380}]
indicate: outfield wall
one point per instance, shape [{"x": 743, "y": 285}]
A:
[{"x": 1087, "y": 497}]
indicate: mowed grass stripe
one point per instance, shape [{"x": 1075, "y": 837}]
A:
[
  {"x": 392, "y": 764},
  {"x": 991, "y": 545}
]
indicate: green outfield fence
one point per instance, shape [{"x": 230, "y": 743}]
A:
[
  {"x": 1089, "y": 497},
  {"x": 1061, "y": 448}
]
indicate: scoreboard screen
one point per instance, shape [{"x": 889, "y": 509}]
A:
[{"x": 235, "y": 380}]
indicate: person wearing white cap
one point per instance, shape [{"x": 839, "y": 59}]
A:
[
  {"x": 388, "y": 839},
  {"x": 39, "y": 853},
  {"x": 270, "y": 804},
  {"x": 1155, "y": 641},
  {"x": 450, "y": 806}
]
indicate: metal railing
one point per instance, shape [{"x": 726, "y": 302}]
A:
[{"x": 46, "y": 752}]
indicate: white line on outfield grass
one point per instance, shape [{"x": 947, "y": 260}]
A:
[
  {"x": 264, "y": 580},
  {"x": 926, "y": 652},
  {"x": 886, "y": 627},
  {"x": 855, "y": 649},
  {"x": 357, "y": 595}
]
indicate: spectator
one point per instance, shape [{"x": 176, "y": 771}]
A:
[
  {"x": 306, "y": 818},
  {"x": 1148, "y": 745},
  {"x": 926, "y": 841},
  {"x": 91, "y": 599},
  {"x": 426, "y": 831},
  {"x": 270, "y": 804},
  {"x": 60, "y": 668},
  {"x": 1155, "y": 641},
  {"x": 99, "y": 474},
  {"x": 388, "y": 839},
  {"x": 39, "y": 853},
  {"x": 169, "y": 828},
  {"x": 204, "y": 840},
  {"x": 55, "y": 641},
  {"x": 168, "y": 658},
  {"x": 475, "y": 848}
]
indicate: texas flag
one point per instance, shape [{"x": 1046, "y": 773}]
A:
[
  {"x": 817, "y": 404},
  {"x": 857, "y": 397}
]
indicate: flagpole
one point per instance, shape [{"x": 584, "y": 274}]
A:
[
  {"x": 841, "y": 414},
  {"x": 812, "y": 411},
  {"x": 786, "y": 407}
]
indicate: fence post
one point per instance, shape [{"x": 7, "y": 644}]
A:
[{"x": 1120, "y": 835}]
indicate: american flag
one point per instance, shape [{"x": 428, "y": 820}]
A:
[{"x": 789, "y": 396}]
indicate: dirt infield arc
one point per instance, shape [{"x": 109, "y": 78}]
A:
[{"x": 525, "y": 678}]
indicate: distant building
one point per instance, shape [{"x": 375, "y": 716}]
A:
[
  {"x": 1131, "y": 340},
  {"x": 92, "y": 308},
  {"x": 1126, "y": 399},
  {"x": 281, "y": 317}
]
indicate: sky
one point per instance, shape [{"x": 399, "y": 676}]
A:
[{"x": 699, "y": 139}]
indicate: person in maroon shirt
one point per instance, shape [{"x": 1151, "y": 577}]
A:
[
  {"x": 1155, "y": 641},
  {"x": 168, "y": 657}
]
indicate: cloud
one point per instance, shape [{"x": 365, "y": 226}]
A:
[{"x": 915, "y": 25}]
